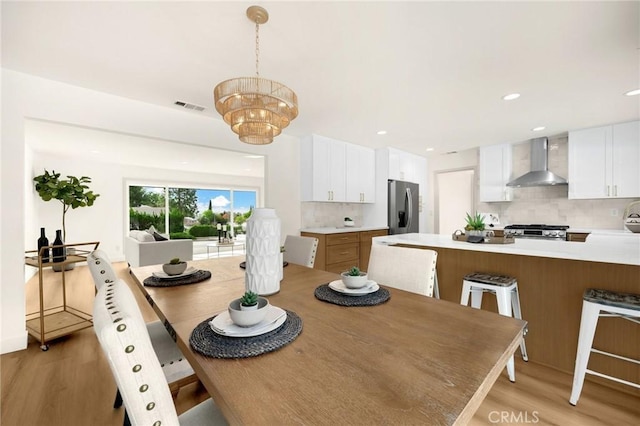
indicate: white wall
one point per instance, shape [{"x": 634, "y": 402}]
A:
[
  {"x": 105, "y": 221},
  {"x": 25, "y": 96}
]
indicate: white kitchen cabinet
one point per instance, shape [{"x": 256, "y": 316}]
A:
[
  {"x": 405, "y": 166},
  {"x": 323, "y": 169},
  {"x": 360, "y": 174},
  {"x": 603, "y": 162},
  {"x": 495, "y": 173}
]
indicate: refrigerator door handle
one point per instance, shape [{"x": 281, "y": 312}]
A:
[{"x": 409, "y": 206}]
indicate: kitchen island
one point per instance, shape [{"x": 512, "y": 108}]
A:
[{"x": 552, "y": 276}]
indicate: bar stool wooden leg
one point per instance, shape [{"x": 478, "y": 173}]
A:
[{"x": 588, "y": 323}]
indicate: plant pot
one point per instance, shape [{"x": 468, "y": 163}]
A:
[
  {"x": 351, "y": 281},
  {"x": 349, "y": 223},
  {"x": 174, "y": 268},
  {"x": 475, "y": 232},
  {"x": 247, "y": 318}
]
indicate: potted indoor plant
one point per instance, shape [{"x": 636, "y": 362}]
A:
[
  {"x": 72, "y": 192},
  {"x": 349, "y": 222},
  {"x": 354, "y": 278},
  {"x": 174, "y": 267},
  {"x": 248, "y": 310},
  {"x": 475, "y": 224}
]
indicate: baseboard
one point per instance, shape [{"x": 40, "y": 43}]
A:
[{"x": 13, "y": 344}]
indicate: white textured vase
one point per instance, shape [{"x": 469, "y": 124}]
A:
[{"x": 263, "y": 265}]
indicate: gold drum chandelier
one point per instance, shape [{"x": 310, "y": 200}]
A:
[{"x": 257, "y": 109}]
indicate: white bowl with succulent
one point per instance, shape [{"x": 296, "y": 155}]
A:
[
  {"x": 174, "y": 267},
  {"x": 354, "y": 278},
  {"x": 248, "y": 310},
  {"x": 475, "y": 224},
  {"x": 349, "y": 222}
]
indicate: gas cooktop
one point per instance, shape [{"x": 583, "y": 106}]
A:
[{"x": 539, "y": 231}]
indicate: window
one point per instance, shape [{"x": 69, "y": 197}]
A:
[{"x": 201, "y": 208}]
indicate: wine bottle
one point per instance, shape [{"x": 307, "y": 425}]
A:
[
  {"x": 58, "y": 252},
  {"x": 43, "y": 242}
]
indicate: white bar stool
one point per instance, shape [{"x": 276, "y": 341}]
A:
[
  {"x": 506, "y": 290},
  {"x": 601, "y": 303}
]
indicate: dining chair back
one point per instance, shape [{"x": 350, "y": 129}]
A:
[
  {"x": 177, "y": 370},
  {"x": 123, "y": 336},
  {"x": 405, "y": 268},
  {"x": 101, "y": 269},
  {"x": 300, "y": 250}
]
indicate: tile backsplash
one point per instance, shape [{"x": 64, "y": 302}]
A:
[
  {"x": 550, "y": 205},
  {"x": 322, "y": 215}
]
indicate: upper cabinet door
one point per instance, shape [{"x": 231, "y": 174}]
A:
[
  {"x": 360, "y": 172},
  {"x": 589, "y": 175},
  {"x": 495, "y": 173},
  {"x": 603, "y": 162},
  {"x": 322, "y": 169},
  {"x": 626, "y": 160}
]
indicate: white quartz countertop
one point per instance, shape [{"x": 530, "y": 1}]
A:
[
  {"x": 607, "y": 248},
  {"x": 341, "y": 229}
]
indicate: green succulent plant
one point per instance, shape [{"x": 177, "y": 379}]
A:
[
  {"x": 175, "y": 261},
  {"x": 475, "y": 222},
  {"x": 354, "y": 272},
  {"x": 249, "y": 299}
]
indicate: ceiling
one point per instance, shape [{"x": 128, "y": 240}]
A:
[{"x": 432, "y": 74}]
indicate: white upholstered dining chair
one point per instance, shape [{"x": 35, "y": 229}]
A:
[
  {"x": 300, "y": 250},
  {"x": 405, "y": 268},
  {"x": 136, "y": 369},
  {"x": 176, "y": 368}
]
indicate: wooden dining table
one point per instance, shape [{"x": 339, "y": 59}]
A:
[{"x": 410, "y": 360}]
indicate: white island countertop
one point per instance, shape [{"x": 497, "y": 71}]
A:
[
  {"x": 622, "y": 249},
  {"x": 340, "y": 229}
]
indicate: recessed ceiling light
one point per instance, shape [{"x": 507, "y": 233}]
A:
[
  {"x": 633, "y": 92},
  {"x": 253, "y": 156},
  {"x": 429, "y": 149},
  {"x": 539, "y": 128},
  {"x": 382, "y": 132},
  {"x": 511, "y": 96},
  {"x": 184, "y": 162}
]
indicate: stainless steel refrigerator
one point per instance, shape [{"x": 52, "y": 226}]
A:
[{"x": 403, "y": 207}]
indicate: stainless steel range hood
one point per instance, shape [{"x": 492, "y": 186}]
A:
[{"x": 539, "y": 174}]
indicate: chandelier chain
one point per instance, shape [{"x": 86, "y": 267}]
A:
[{"x": 257, "y": 48}]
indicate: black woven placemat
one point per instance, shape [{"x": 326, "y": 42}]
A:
[
  {"x": 243, "y": 265},
  {"x": 199, "y": 276},
  {"x": 378, "y": 297},
  {"x": 207, "y": 342}
]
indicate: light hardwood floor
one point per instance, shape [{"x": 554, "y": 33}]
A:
[{"x": 71, "y": 383}]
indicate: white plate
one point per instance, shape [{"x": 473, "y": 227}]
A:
[
  {"x": 164, "y": 276},
  {"x": 339, "y": 286},
  {"x": 222, "y": 324}
]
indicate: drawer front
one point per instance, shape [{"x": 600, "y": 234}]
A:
[
  {"x": 343, "y": 253},
  {"x": 344, "y": 238},
  {"x": 337, "y": 268}
]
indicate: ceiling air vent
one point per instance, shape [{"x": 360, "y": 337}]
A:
[{"x": 187, "y": 105}]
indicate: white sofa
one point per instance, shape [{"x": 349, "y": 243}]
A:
[{"x": 140, "y": 250}]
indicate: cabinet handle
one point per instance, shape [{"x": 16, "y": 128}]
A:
[
  {"x": 608, "y": 191},
  {"x": 345, "y": 252},
  {"x": 615, "y": 190}
]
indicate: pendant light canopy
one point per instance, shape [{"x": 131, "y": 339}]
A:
[{"x": 257, "y": 109}]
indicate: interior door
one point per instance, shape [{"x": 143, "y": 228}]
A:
[{"x": 454, "y": 198}]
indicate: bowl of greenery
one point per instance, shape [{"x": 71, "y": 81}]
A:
[
  {"x": 174, "y": 267},
  {"x": 354, "y": 278},
  {"x": 248, "y": 310}
]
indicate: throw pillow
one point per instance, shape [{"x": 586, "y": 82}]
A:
[{"x": 159, "y": 237}]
